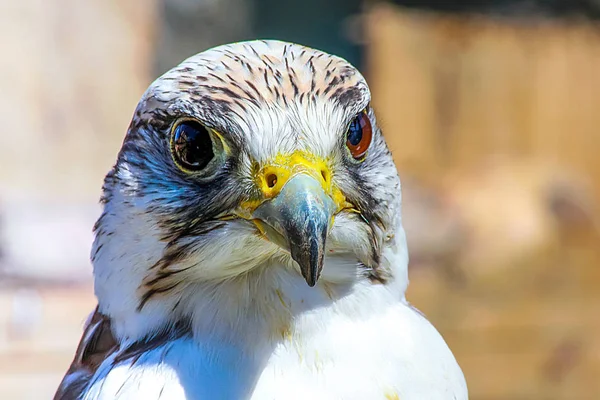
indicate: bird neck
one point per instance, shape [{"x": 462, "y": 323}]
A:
[{"x": 270, "y": 301}]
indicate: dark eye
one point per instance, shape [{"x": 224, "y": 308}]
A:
[
  {"x": 359, "y": 135},
  {"x": 191, "y": 145}
]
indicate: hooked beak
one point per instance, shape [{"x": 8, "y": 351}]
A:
[
  {"x": 297, "y": 208},
  {"x": 298, "y": 219}
]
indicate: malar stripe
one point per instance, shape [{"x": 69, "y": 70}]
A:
[
  {"x": 160, "y": 275},
  {"x": 150, "y": 293}
]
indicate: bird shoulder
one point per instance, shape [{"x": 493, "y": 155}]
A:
[{"x": 97, "y": 343}]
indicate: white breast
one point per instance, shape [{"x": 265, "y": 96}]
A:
[{"x": 393, "y": 354}]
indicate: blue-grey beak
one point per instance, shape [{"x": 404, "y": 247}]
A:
[{"x": 298, "y": 219}]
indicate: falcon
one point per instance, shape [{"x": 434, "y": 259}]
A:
[{"x": 251, "y": 243}]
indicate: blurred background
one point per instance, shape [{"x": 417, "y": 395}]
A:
[{"x": 490, "y": 107}]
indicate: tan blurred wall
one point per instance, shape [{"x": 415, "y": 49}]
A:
[
  {"x": 494, "y": 128},
  {"x": 457, "y": 90},
  {"x": 72, "y": 73}
]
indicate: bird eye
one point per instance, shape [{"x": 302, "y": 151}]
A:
[
  {"x": 359, "y": 135},
  {"x": 191, "y": 145}
]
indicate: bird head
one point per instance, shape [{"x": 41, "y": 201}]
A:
[{"x": 245, "y": 157}]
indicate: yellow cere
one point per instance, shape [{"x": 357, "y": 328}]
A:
[{"x": 272, "y": 176}]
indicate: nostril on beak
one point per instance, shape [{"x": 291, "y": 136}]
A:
[
  {"x": 324, "y": 175},
  {"x": 271, "y": 180}
]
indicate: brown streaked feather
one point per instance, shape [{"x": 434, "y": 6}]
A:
[
  {"x": 133, "y": 352},
  {"x": 97, "y": 343}
]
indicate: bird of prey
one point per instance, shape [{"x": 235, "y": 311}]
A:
[{"x": 251, "y": 244}]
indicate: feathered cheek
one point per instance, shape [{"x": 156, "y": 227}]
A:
[
  {"x": 229, "y": 251},
  {"x": 351, "y": 235},
  {"x": 224, "y": 251}
]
